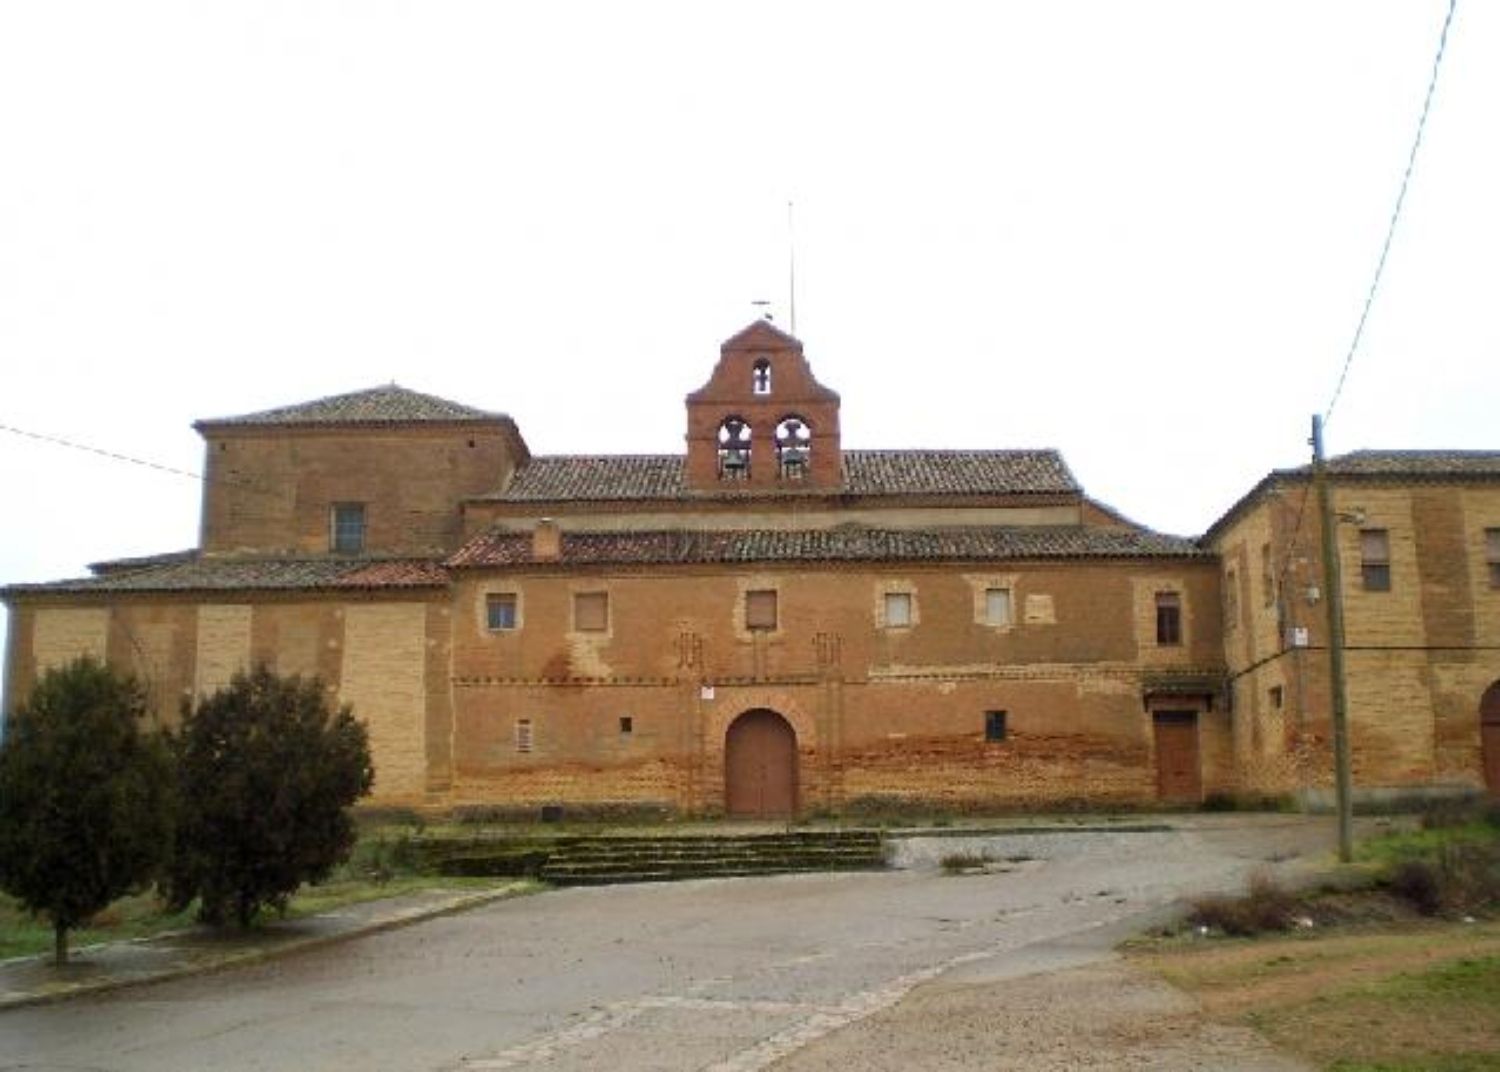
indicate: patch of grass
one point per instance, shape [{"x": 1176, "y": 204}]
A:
[
  {"x": 958, "y": 863},
  {"x": 135, "y": 916},
  {"x": 1266, "y": 906}
]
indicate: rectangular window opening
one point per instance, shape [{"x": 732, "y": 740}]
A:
[
  {"x": 1375, "y": 559},
  {"x": 897, "y": 610},
  {"x": 590, "y": 612},
  {"x": 1168, "y": 618},
  {"x": 348, "y": 528},
  {"x": 500, "y": 611},
  {"x": 994, "y": 725},
  {"x": 1278, "y": 696},
  {"x": 997, "y": 608},
  {"x": 760, "y": 609},
  {"x": 1267, "y": 576},
  {"x": 523, "y": 735},
  {"x": 1492, "y": 555},
  {"x": 627, "y": 725}
]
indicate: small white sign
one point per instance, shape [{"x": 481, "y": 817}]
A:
[
  {"x": 706, "y": 692},
  {"x": 1299, "y": 636}
]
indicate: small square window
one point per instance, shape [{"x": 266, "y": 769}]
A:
[
  {"x": 500, "y": 611},
  {"x": 1168, "y": 619},
  {"x": 1492, "y": 555},
  {"x": 627, "y": 725},
  {"x": 760, "y": 609},
  {"x": 994, "y": 725},
  {"x": 590, "y": 612},
  {"x": 997, "y": 609},
  {"x": 897, "y": 609},
  {"x": 1375, "y": 559},
  {"x": 348, "y": 521},
  {"x": 523, "y": 735}
]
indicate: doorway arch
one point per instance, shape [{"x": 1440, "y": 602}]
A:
[
  {"x": 760, "y": 766},
  {"x": 1489, "y": 737}
]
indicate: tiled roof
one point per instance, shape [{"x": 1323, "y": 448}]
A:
[
  {"x": 1415, "y": 463},
  {"x": 1376, "y": 466},
  {"x": 614, "y": 477},
  {"x": 259, "y": 575},
  {"x": 379, "y": 405},
  {"x": 844, "y": 544}
]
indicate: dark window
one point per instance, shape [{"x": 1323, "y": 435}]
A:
[
  {"x": 1278, "y": 696},
  {"x": 523, "y": 735},
  {"x": 760, "y": 378},
  {"x": 760, "y": 609},
  {"x": 1375, "y": 559},
  {"x": 1168, "y": 618},
  {"x": 590, "y": 612},
  {"x": 1492, "y": 555},
  {"x": 349, "y": 528},
  {"x": 500, "y": 611},
  {"x": 994, "y": 725},
  {"x": 627, "y": 725}
]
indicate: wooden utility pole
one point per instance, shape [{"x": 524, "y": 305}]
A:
[{"x": 1333, "y": 600}]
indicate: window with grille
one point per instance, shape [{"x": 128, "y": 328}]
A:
[
  {"x": 760, "y": 609},
  {"x": 590, "y": 612},
  {"x": 997, "y": 606},
  {"x": 348, "y": 523},
  {"x": 1375, "y": 559},
  {"x": 523, "y": 735},
  {"x": 500, "y": 611},
  {"x": 897, "y": 609},
  {"x": 1168, "y": 618}
]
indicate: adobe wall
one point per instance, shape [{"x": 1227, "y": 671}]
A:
[
  {"x": 272, "y": 490},
  {"x": 881, "y": 714},
  {"x": 389, "y": 658}
]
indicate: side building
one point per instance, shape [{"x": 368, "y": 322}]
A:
[{"x": 1418, "y": 538}]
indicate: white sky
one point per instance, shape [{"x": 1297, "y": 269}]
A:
[{"x": 1140, "y": 233}]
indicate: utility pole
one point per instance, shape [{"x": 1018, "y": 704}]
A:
[{"x": 1334, "y": 601}]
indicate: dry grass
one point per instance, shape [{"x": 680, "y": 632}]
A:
[{"x": 1406, "y": 997}]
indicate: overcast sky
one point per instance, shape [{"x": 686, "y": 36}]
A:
[{"x": 1137, "y": 232}]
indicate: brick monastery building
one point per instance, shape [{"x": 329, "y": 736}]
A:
[{"x": 770, "y": 624}]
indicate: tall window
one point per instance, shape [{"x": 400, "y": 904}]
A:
[
  {"x": 348, "y": 525},
  {"x": 1492, "y": 555},
  {"x": 523, "y": 735},
  {"x": 1267, "y": 576},
  {"x": 897, "y": 610},
  {"x": 760, "y": 609},
  {"x": 500, "y": 611},
  {"x": 997, "y": 608},
  {"x": 994, "y": 725},
  {"x": 1231, "y": 601},
  {"x": 590, "y": 612},
  {"x": 1375, "y": 559},
  {"x": 1168, "y": 618}
]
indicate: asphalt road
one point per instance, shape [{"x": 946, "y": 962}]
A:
[{"x": 717, "y": 974}]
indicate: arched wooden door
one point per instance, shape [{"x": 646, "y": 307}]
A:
[
  {"x": 1489, "y": 737},
  {"x": 760, "y": 766}
]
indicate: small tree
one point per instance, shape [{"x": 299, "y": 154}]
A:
[
  {"x": 85, "y": 797},
  {"x": 266, "y": 773}
]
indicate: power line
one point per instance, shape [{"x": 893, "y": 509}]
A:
[
  {"x": 115, "y": 455},
  {"x": 1390, "y": 232}
]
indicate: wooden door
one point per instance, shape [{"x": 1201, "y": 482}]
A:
[
  {"x": 760, "y": 766},
  {"x": 1178, "y": 777},
  {"x": 1489, "y": 737}
]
